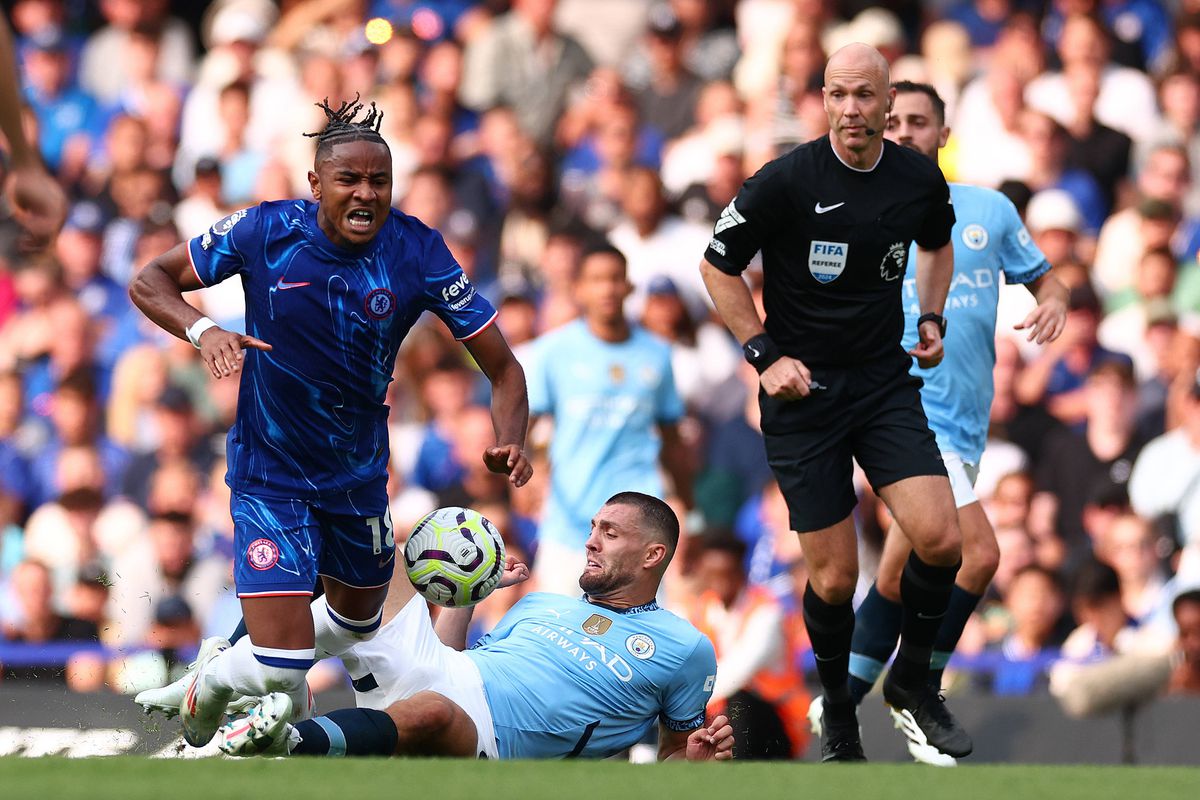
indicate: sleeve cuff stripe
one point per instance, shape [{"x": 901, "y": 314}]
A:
[
  {"x": 192, "y": 262},
  {"x": 689, "y": 725},
  {"x": 480, "y": 329},
  {"x": 1030, "y": 277}
]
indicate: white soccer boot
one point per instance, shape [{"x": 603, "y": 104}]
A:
[
  {"x": 203, "y": 706},
  {"x": 266, "y": 731},
  {"x": 167, "y": 699}
]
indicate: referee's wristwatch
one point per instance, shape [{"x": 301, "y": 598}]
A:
[
  {"x": 761, "y": 352},
  {"x": 935, "y": 318}
]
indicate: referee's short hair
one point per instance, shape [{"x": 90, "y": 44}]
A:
[{"x": 912, "y": 87}]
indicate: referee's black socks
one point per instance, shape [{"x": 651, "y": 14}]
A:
[
  {"x": 830, "y": 629},
  {"x": 925, "y": 594}
]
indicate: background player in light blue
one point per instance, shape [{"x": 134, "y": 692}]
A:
[
  {"x": 989, "y": 240},
  {"x": 332, "y": 288},
  {"x": 559, "y": 677},
  {"x": 608, "y": 386}
]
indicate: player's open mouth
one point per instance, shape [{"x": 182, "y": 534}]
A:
[
  {"x": 592, "y": 564},
  {"x": 360, "y": 219}
]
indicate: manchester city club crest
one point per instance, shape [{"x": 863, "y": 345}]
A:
[
  {"x": 262, "y": 554},
  {"x": 640, "y": 646},
  {"x": 380, "y": 304},
  {"x": 894, "y": 262},
  {"x": 975, "y": 236}
]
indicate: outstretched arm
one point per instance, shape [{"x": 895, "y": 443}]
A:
[
  {"x": 453, "y": 623},
  {"x": 510, "y": 405},
  {"x": 37, "y": 200},
  {"x": 1046, "y": 322},
  {"x": 157, "y": 290}
]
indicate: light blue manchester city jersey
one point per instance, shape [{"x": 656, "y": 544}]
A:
[
  {"x": 311, "y": 418},
  {"x": 989, "y": 239},
  {"x": 568, "y": 678},
  {"x": 606, "y": 399}
]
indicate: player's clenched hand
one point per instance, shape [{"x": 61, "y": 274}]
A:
[
  {"x": 38, "y": 204},
  {"x": 929, "y": 351},
  {"x": 713, "y": 742},
  {"x": 514, "y": 572},
  {"x": 1046, "y": 322},
  {"x": 510, "y": 460},
  {"x": 786, "y": 379},
  {"x": 221, "y": 350}
]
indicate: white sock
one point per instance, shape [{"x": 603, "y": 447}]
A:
[
  {"x": 258, "y": 671},
  {"x": 335, "y": 633}
]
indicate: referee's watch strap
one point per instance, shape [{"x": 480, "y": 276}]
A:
[{"x": 196, "y": 329}]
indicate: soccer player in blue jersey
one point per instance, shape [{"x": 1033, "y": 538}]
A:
[
  {"x": 989, "y": 240},
  {"x": 558, "y": 677},
  {"x": 332, "y": 287},
  {"x": 608, "y": 387}
]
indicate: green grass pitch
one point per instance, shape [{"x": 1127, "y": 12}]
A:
[{"x": 134, "y": 778}]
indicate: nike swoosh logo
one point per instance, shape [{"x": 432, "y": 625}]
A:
[
  {"x": 820, "y": 209},
  {"x": 753, "y": 353},
  {"x": 929, "y": 616},
  {"x": 287, "y": 285}
]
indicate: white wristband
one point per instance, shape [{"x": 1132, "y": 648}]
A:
[{"x": 198, "y": 327}]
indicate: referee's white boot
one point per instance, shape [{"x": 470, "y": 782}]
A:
[{"x": 265, "y": 731}]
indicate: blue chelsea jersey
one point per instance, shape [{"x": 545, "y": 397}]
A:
[
  {"x": 989, "y": 240},
  {"x": 311, "y": 418},
  {"x": 569, "y": 678}
]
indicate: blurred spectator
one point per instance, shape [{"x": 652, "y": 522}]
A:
[
  {"x": 667, "y": 95},
  {"x": 202, "y": 204},
  {"x": 1165, "y": 484},
  {"x": 1131, "y": 549},
  {"x": 522, "y": 62},
  {"x": 1133, "y": 311},
  {"x": 735, "y": 464},
  {"x": 592, "y": 193},
  {"x": 759, "y": 687},
  {"x": 69, "y": 118},
  {"x": 657, "y": 243},
  {"x": 1077, "y": 466},
  {"x": 1163, "y": 176},
  {"x": 1058, "y": 374},
  {"x": 36, "y": 621},
  {"x": 179, "y": 437},
  {"x": 1095, "y": 148},
  {"x": 446, "y": 392},
  {"x": 1034, "y": 604},
  {"x": 79, "y": 248},
  {"x": 1185, "y": 678},
  {"x": 1048, "y": 145},
  {"x": 103, "y": 69}
]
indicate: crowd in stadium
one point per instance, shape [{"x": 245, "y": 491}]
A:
[{"x": 524, "y": 131}]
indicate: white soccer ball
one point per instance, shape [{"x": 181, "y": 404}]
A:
[{"x": 454, "y": 557}]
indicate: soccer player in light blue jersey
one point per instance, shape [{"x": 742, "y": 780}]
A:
[
  {"x": 558, "y": 677},
  {"x": 332, "y": 288},
  {"x": 608, "y": 387},
  {"x": 989, "y": 240}
]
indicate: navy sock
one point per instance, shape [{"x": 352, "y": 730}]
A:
[
  {"x": 962, "y": 605},
  {"x": 347, "y": 732},
  {"x": 876, "y": 631},
  {"x": 238, "y": 632},
  {"x": 830, "y": 629},
  {"x": 925, "y": 593}
]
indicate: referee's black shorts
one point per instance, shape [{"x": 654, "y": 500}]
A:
[{"x": 870, "y": 412}]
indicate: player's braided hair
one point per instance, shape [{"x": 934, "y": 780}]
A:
[{"x": 343, "y": 127}]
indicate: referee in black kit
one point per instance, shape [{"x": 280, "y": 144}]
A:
[{"x": 834, "y": 219}]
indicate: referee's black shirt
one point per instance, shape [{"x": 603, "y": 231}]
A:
[{"x": 835, "y": 243}]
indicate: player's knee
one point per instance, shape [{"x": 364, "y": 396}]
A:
[
  {"x": 835, "y": 583},
  {"x": 942, "y": 545},
  {"x": 980, "y": 562}
]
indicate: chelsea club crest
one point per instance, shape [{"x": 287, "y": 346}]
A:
[{"x": 380, "y": 304}]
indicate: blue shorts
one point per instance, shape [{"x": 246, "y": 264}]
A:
[{"x": 281, "y": 546}]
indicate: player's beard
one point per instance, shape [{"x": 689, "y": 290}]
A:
[{"x": 604, "y": 583}]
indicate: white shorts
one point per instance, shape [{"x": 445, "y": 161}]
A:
[
  {"x": 406, "y": 657},
  {"x": 557, "y": 568},
  {"x": 962, "y": 478}
]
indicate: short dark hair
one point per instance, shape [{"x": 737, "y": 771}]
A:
[
  {"x": 343, "y": 127},
  {"x": 912, "y": 87},
  {"x": 1190, "y": 596},
  {"x": 1095, "y": 582},
  {"x": 657, "y": 518},
  {"x": 723, "y": 540},
  {"x": 602, "y": 247}
]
